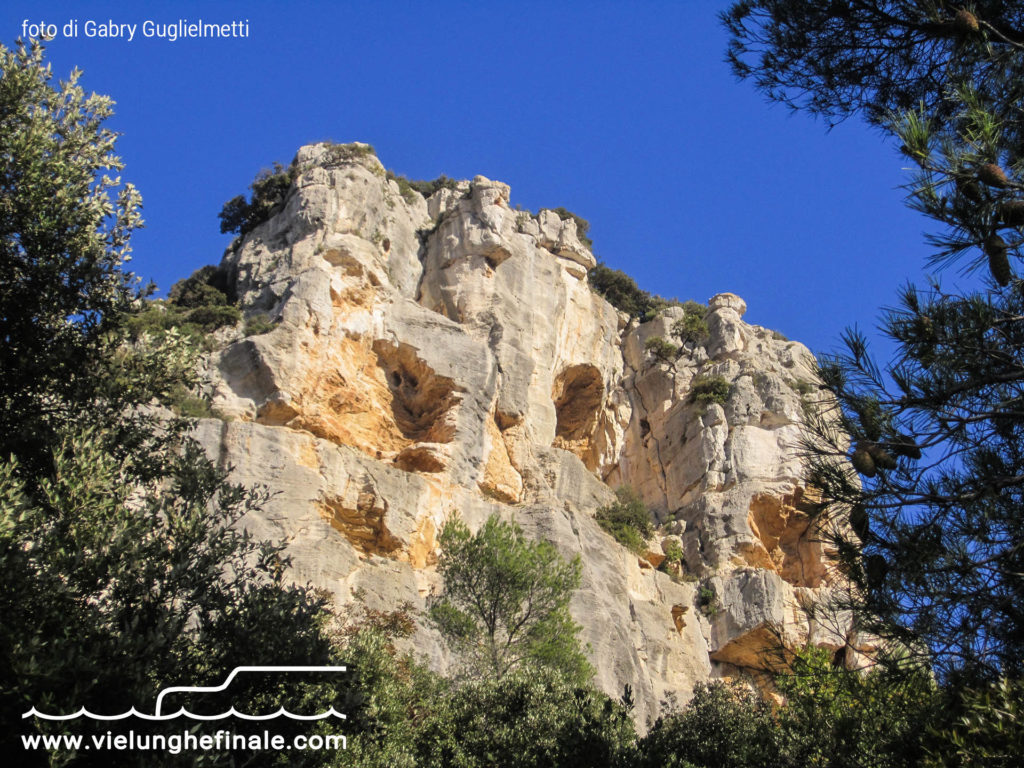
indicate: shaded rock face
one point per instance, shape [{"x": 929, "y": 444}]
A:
[{"x": 446, "y": 357}]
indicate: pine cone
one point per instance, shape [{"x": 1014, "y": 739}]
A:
[
  {"x": 995, "y": 244},
  {"x": 999, "y": 266},
  {"x": 1012, "y": 213},
  {"x": 970, "y": 190},
  {"x": 904, "y": 445},
  {"x": 875, "y": 568},
  {"x": 965, "y": 22},
  {"x": 993, "y": 175},
  {"x": 859, "y": 522},
  {"x": 863, "y": 462},
  {"x": 882, "y": 458}
]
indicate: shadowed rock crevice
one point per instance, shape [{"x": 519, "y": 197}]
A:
[
  {"x": 364, "y": 525},
  {"x": 578, "y": 393}
]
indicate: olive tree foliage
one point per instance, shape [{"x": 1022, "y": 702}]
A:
[
  {"x": 505, "y": 603},
  {"x": 529, "y": 718},
  {"x": 65, "y": 225},
  {"x": 852, "y": 718},
  {"x": 926, "y": 502},
  {"x": 123, "y": 567},
  {"x": 828, "y": 716}
]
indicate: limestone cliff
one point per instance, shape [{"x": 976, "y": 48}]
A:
[{"x": 446, "y": 357}]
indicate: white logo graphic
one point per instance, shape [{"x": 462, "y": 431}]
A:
[{"x": 157, "y": 715}]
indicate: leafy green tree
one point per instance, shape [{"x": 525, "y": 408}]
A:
[
  {"x": 267, "y": 192},
  {"x": 530, "y": 718},
  {"x": 619, "y": 289},
  {"x": 390, "y": 698},
  {"x": 843, "y": 718},
  {"x": 124, "y": 567},
  {"x": 505, "y": 604},
  {"x": 662, "y": 350},
  {"x": 829, "y": 717},
  {"x": 934, "y": 496},
  {"x": 987, "y": 731},
  {"x": 692, "y": 328},
  {"x": 723, "y": 726},
  {"x": 62, "y": 243}
]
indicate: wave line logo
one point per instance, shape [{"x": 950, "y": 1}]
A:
[{"x": 232, "y": 712}]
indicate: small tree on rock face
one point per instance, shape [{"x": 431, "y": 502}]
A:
[
  {"x": 627, "y": 519},
  {"x": 692, "y": 328},
  {"x": 505, "y": 603}
]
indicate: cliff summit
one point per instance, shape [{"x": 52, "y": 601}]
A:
[{"x": 445, "y": 356}]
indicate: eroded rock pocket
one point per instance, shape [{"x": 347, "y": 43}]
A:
[
  {"x": 364, "y": 525},
  {"x": 789, "y": 544},
  {"x": 578, "y": 393},
  {"x": 424, "y": 406}
]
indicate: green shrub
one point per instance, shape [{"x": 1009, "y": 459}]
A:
[
  {"x": 692, "y": 328},
  {"x": 155, "y": 318},
  {"x": 405, "y": 189},
  {"x": 707, "y": 602},
  {"x": 257, "y": 324},
  {"x": 709, "y": 389},
  {"x": 989, "y": 730},
  {"x": 691, "y": 307},
  {"x": 663, "y": 350},
  {"x": 725, "y": 725},
  {"x": 619, "y": 289},
  {"x": 192, "y": 407},
  {"x": 655, "y": 306},
  {"x": 582, "y": 225},
  {"x": 427, "y": 188},
  {"x": 779, "y": 336},
  {"x": 627, "y": 519},
  {"x": 673, "y": 552},
  {"x": 409, "y": 188},
  {"x": 532, "y": 718},
  {"x": 196, "y": 306},
  {"x": 212, "y": 317},
  {"x": 205, "y": 287},
  {"x": 849, "y": 718},
  {"x": 268, "y": 192},
  {"x": 346, "y": 153}
]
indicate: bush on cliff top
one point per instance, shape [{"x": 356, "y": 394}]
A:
[
  {"x": 621, "y": 291},
  {"x": 270, "y": 188}
]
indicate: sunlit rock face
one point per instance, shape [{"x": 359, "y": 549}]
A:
[{"x": 446, "y": 357}]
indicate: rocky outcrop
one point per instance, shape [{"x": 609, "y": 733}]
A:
[{"x": 447, "y": 357}]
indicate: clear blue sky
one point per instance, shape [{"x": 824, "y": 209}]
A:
[{"x": 622, "y": 112}]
